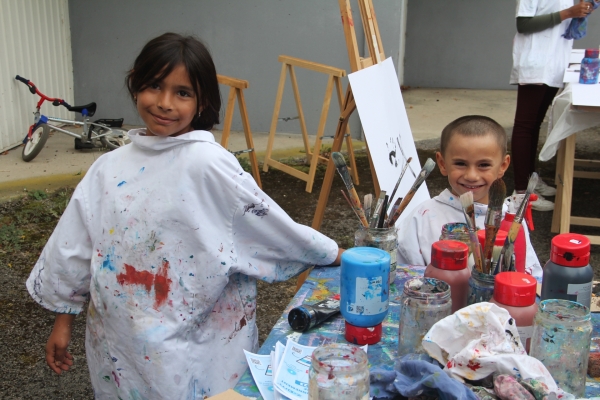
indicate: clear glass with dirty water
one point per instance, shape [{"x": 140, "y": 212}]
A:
[
  {"x": 481, "y": 287},
  {"x": 380, "y": 238},
  {"x": 424, "y": 302},
  {"x": 338, "y": 371},
  {"x": 456, "y": 231},
  {"x": 562, "y": 332}
]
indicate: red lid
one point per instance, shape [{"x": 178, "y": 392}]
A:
[
  {"x": 509, "y": 217},
  {"x": 515, "y": 289},
  {"x": 500, "y": 237},
  {"x": 570, "y": 250},
  {"x": 450, "y": 255},
  {"x": 591, "y": 53},
  {"x": 361, "y": 336}
]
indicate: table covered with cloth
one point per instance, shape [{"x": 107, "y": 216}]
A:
[{"x": 324, "y": 282}]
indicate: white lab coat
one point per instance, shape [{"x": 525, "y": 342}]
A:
[
  {"x": 541, "y": 57},
  {"x": 166, "y": 237},
  {"x": 424, "y": 225}
]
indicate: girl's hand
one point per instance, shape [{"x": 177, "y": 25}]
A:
[
  {"x": 57, "y": 356},
  {"x": 580, "y": 10}
]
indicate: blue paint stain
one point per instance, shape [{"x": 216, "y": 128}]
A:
[
  {"x": 223, "y": 263},
  {"x": 108, "y": 262},
  {"x": 121, "y": 184},
  {"x": 114, "y": 359},
  {"x": 142, "y": 169},
  {"x": 191, "y": 274},
  {"x": 192, "y": 256},
  {"x": 451, "y": 198}
]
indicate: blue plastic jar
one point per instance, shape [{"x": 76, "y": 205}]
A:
[
  {"x": 590, "y": 66},
  {"x": 364, "y": 286}
]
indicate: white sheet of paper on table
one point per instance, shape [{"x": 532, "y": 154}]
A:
[
  {"x": 383, "y": 116},
  {"x": 572, "y": 74},
  {"x": 262, "y": 372},
  {"x": 586, "y": 95}
]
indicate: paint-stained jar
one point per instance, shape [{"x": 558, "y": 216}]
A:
[
  {"x": 562, "y": 331},
  {"x": 424, "y": 302},
  {"x": 379, "y": 238},
  {"x": 481, "y": 287},
  {"x": 338, "y": 371}
]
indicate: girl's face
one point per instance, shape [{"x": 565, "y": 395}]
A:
[{"x": 169, "y": 106}]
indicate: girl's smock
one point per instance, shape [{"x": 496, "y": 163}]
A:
[
  {"x": 541, "y": 57},
  {"x": 166, "y": 238}
]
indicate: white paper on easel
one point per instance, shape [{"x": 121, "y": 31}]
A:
[{"x": 381, "y": 109}]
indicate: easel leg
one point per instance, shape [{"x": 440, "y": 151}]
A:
[
  {"x": 567, "y": 188},
  {"x": 300, "y": 115},
  {"x": 276, "y": 110},
  {"x": 349, "y": 147},
  {"x": 558, "y": 181},
  {"x": 228, "y": 117},
  {"x": 248, "y": 134}
]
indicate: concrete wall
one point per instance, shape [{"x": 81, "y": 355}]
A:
[
  {"x": 245, "y": 38},
  {"x": 466, "y": 43}
]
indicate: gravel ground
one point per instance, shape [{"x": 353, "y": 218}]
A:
[{"x": 24, "y": 326}]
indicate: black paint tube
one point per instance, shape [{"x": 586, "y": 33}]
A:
[{"x": 306, "y": 316}]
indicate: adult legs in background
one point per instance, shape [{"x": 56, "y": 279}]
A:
[{"x": 532, "y": 103}]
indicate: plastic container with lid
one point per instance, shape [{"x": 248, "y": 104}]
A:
[
  {"x": 590, "y": 66},
  {"x": 515, "y": 292},
  {"x": 520, "y": 246},
  {"x": 449, "y": 260},
  {"x": 364, "y": 292},
  {"x": 568, "y": 275}
]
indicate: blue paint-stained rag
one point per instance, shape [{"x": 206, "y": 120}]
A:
[
  {"x": 416, "y": 375},
  {"x": 577, "y": 29}
]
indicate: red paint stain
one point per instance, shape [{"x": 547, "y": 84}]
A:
[
  {"x": 473, "y": 365},
  {"x": 424, "y": 212},
  {"x": 147, "y": 358},
  {"x": 116, "y": 379},
  {"x": 337, "y": 297},
  {"x": 159, "y": 281}
]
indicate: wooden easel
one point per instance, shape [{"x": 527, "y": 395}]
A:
[
  {"x": 357, "y": 63},
  {"x": 313, "y": 156},
  {"x": 236, "y": 87}
]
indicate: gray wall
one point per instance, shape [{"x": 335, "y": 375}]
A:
[
  {"x": 245, "y": 39},
  {"x": 466, "y": 43}
]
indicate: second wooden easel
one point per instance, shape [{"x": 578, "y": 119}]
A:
[{"x": 357, "y": 63}]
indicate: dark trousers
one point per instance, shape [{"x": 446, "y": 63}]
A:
[{"x": 532, "y": 103}]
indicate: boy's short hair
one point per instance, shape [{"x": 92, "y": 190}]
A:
[
  {"x": 473, "y": 125},
  {"x": 161, "y": 55}
]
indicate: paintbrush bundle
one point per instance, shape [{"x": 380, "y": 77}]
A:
[
  {"x": 368, "y": 200},
  {"x": 493, "y": 218},
  {"x": 342, "y": 169},
  {"x": 378, "y": 210},
  {"x": 466, "y": 200}
]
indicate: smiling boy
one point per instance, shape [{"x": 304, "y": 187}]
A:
[{"x": 472, "y": 155}]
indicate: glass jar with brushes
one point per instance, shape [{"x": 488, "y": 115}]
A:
[
  {"x": 481, "y": 287},
  {"x": 379, "y": 238}
]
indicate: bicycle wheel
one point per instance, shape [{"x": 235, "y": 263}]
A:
[
  {"x": 36, "y": 143},
  {"x": 114, "y": 137}
]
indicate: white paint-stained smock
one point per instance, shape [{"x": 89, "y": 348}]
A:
[
  {"x": 541, "y": 57},
  {"x": 424, "y": 225},
  {"x": 167, "y": 237}
]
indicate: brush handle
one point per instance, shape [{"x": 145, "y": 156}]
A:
[
  {"x": 393, "y": 218},
  {"x": 509, "y": 244},
  {"x": 386, "y": 224},
  {"x": 377, "y": 212},
  {"x": 475, "y": 247},
  {"x": 352, "y": 195},
  {"x": 350, "y": 204},
  {"x": 488, "y": 248},
  {"x": 400, "y": 178}
]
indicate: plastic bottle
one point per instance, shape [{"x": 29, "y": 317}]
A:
[
  {"x": 515, "y": 292},
  {"x": 364, "y": 293},
  {"x": 520, "y": 246},
  {"x": 590, "y": 66},
  {"x": 568, "y": 275},
  {"x": 449, "y": 260}
]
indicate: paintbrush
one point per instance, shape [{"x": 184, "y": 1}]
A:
[
  {"x": 377, "y": 211},
  {"x": 493, "y": 217},
  {"x": 350, "y": 204},
  {"x": 425, "y": 171},
  {"x": 509, "y": 245},
  {"x": 368, "y": 200},
  {"x": 466, "y": 200},
  {"x": 342, "y": 169},
  {"x": 400, "y": 178},
  {"x": 383, "y": 215},
  {"x": 393, "y": 209}
]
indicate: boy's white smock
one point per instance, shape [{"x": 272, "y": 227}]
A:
[
  {"x": 424, "y": 225},
  {"x": 168, "y": 236}
]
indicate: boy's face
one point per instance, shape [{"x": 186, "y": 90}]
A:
[{"x": 472, "y": 164}]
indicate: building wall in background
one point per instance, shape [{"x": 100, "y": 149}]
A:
[
  {"x": 245, "y": 39},
  {"x": 35, "y": 42},
  {"x": 466, "y": 44}
]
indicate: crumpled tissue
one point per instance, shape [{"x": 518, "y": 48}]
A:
[{"x": 482, "y": 339}]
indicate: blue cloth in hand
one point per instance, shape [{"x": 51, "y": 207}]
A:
[{"x": 577, "y": 29}]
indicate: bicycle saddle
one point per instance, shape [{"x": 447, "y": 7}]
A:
[{"x": 91, "y": 109}]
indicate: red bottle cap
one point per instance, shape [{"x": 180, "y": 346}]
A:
[
  {"x": 450, "y": 255},
  {"x": 509, "y": 217},
  {"x": 361, "y": 336},
  {"x": 570, "y": 250},
  {"x": 515, "y": 289},
  {"x": 591, "y": 53},
  {"x": 500, "y": 237}
]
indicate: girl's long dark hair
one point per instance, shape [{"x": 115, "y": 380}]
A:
[{"x": 163, "y": 53}]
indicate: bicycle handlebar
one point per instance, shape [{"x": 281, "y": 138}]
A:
[{"x": 34, "y": 90}]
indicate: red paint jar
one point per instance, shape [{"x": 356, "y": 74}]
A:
[
  {"x": 515, "y": 292},
  {"x": 449, "y": 260}
]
